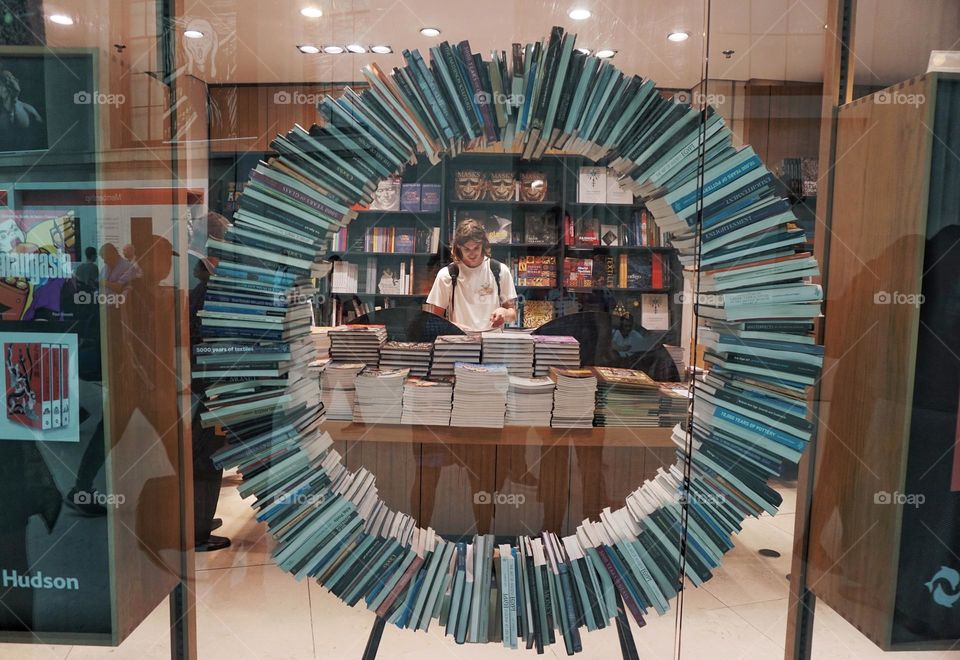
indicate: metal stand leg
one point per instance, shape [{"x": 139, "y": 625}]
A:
[
  {"x": 373, "y": 642},
  {"x": 628, "y": 647}
]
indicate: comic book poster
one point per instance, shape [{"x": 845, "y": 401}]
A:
[{"x": 37, "y": 254}]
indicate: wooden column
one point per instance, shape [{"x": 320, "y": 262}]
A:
[{"x": 837, "y": 90}]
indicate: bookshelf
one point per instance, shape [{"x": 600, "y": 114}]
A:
[{"x": 229, "y": 171}]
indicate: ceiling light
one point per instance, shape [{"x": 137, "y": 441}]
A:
[
  {"x": 311, "y": 12},
  {"x": 430, "y": 32},
  {"x": 579, "y": 14},
  {"x": 333, "y": 50},
  {"x": 308, "y": 49},
  {"x": 678, "y": 36},
  {"x": 357, "y": 48},
  {"x": 605, "y": 53},
  {"x": 193, "y": 34},
  {"x": 381, "y": 50},
  {"x": 61, "y": 19},
  {"x": 585, "y": 51}
]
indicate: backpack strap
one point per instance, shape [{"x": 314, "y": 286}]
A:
[
  {"x": 495, "y": 271},
  {"x": 454, "y": 269}
]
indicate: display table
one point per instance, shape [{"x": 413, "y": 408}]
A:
[{"x": 506, "y": 481}]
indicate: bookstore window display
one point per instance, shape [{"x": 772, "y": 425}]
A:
[{"x": 748, "y": 415}]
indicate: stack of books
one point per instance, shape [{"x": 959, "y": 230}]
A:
[
  {"x": 555, "y": 351},
  {"x": 535, "y": 270},
  {"x": 339, "y": 390},
  {"x": 529, "y": 401},
  {"x": 674, "y": 401},
  {"x": 450, "y": 349},
  {"x": 676, "y": 354},
  {"x": 379, "y": 396},
  {"x": 510, "y": 348},
  {"x": 626, "y": 397},
  {"x": 479, "y": 395},
  {"x": 427, "y": 401},
  {"x": 411, "y": 355},
  {"x": 574, "y": 397},
  {"x": 321, "y": 340},
  {"x": 357, "y": 343}
]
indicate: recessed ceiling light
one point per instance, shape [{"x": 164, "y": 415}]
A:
[
  {"x": 579, "y": 14},
  {"x": 61, "y": 19},
  {"x": 605, "y": 53},
  {"x": 585, "y": 51},
  {"x": 381, "y": 50},
  {"x": 678, "y": 36},
  {"x": 333, "y": 50},
  {"x": 357, "y": 48},
  {"x": 193, "y": 34},
  {"x": 308, "y": 49},
  {"x": 311, "y": 12},
  {"x": 430, "y": 32}
]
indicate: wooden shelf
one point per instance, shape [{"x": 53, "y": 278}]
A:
[
  {"x": 610, "y": 436},
  {"x": 349, "y": 253},
  {"x": 545, "y": 246},
  {"x": 490, "y": 202},
  {"x": 622, "y": 248},
  {"x": 580, "y": 289},
  {"x": 363, "y": 212}
]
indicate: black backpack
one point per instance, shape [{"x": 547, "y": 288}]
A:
[{"x": 454, "y": 269}]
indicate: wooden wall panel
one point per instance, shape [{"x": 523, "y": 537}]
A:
[
  {"x": 782, "y": 120},
  {"x": 451, "y": 475},
  {"x": 534, "y": 485},
  {"x": 878, "y": 229},
  {"x": 247, "y": 117}
]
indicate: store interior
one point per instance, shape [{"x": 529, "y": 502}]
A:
[{"x": 176, "y": 102}]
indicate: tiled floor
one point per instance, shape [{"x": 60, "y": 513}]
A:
[{"x": 248, "y": 608}]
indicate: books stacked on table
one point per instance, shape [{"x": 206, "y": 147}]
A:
[
  {"x": 339, "y": 389},
  {"x": 427, "y": 401},
  {"x": 357, "y": 343},
  {"x": 321, "y": 340},
  {"x": 411, "y": 355},
  {"x": 380, "y": 396},
  {"x": 573, "y": 400},
  {"x": 529, "y": 401},
  {"x": 626, "y": 397},
  {"x": 555, "y": 351},
  {"x": 674, "y": 401},
  {"x": 513, "y": 349},
  {"x": 676, "y": 354},
  {"x": 479, "y": 395},
  {"x": 450, "y": 349}
]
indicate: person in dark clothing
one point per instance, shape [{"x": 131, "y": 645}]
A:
[{"x": 207, "y": 478}]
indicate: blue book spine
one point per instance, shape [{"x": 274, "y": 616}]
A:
[{"x": 716, "y": 184}]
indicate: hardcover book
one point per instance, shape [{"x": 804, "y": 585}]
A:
[
  {"x": 430, "y": 197},
  {"x": 539, "y": 228},
  {"x": 387, "y": 196},
  {"x": 410, "y": 197}
]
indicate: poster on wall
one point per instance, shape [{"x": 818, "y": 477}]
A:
[
  {"x": 41, "y": 385},
  {"x": 37, "y": 252},
  {"x": 23, "y": 121}
]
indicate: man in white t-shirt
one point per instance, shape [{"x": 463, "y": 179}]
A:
[{"x": 472, "y": 302}]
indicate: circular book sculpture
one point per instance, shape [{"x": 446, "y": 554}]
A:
[{"x": 724, "y": 216}]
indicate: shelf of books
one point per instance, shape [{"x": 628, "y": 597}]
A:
[{"x": 572, "y": 239}]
